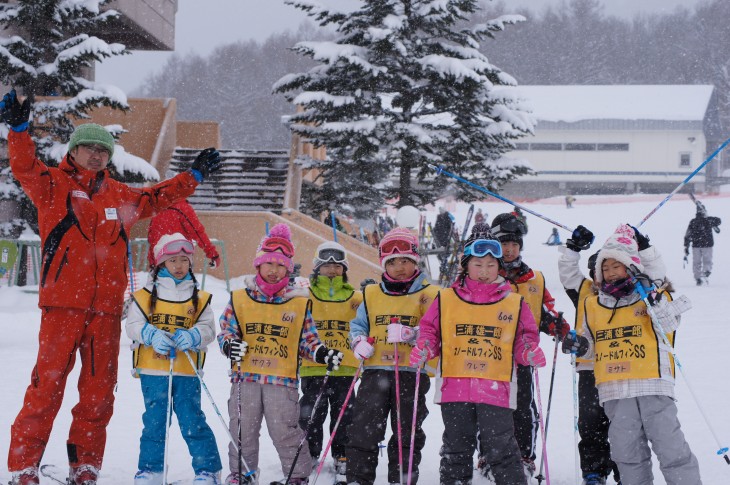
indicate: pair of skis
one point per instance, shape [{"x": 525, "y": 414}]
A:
[{"x": 446, "y": 278}]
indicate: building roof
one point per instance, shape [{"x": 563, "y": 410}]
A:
[{"x": 575, "y": 103}]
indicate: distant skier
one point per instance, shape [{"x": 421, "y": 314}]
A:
[
  {"x": 480, "y": 217},
  {"x": 442, "y": 231},
  {"x": 554, "y": 238},
  {"x": 699, "y": 235}
]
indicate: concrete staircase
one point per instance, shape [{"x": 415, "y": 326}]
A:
[{"x": 250, "y": 180}]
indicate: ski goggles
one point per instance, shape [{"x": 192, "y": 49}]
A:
[
  {"x": 482, "y": 247},
  {"x": 397, "y": 246},
  {"x": 512, "y": 225},
  {"x": 176, "y": 247},
  {"x": 331, "y": 255},
  {"x": 280, "y": 244}
]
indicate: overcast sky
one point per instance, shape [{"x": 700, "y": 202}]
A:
[{"x": 201, "y": 25}]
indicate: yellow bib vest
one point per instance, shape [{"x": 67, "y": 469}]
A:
[
  {"x": 533, "y": 292},
  {"x": 477, "y": 340},
  {"x": 272, "y": 331},
  {"x": 584, "y": 292},
  {"x": 628, "y": 346},
  {"x": 169, "y": 316},
  {"x": 333, "y": 326},
  {"x": 384, "y": 309}
]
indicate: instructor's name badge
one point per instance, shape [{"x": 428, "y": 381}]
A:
[{"x": 111, "y": 213}]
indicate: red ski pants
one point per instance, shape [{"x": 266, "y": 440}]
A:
[{"x": 63, "y": 332}]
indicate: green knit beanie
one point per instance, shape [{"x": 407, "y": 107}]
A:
[{"x": 92, "y": 134}]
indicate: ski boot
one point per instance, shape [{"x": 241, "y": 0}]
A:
[
  {"x": 26, "y": 476},
  {"x": 83, "y": 475},
  {"x": 341, "y": 471},
  {"x": 593, "y": 479},
  {"x": 144, "y": 477},
  {"x": 207, "y": 478}
]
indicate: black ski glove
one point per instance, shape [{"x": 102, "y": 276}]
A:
[
  {"x": 575, "y": 344},
  {"x": 555, "y": 326},
  {"x": 581, "y": 239},
  {"x": 207, "y": 162},
  {"x": 641, "y": 240},
  {"x": 235, "y": 349},
  {"x": 333, "y": 358},
  {"x": 13, "y": 113}
]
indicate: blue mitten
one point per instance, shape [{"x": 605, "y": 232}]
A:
[
  {"x": 158, "y": 339},
  {"x": 187, "y": 339}
]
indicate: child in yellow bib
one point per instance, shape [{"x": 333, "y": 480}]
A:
[
  {"x": 482, "y": 331},
  {"x": 265, "y": 329},
  {"x": 634, "y": 370},
  {"x": 388, "y": 316},
  {"x": 168, "y": 318},
  {"x": 334, "y": 303}
]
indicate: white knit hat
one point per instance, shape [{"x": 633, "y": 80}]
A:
[
  {"x": 622, "y": 247},
  {"x": 171, "y": 245}
]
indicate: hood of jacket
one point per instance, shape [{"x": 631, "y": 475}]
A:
[{"x": 168, "y": 290}]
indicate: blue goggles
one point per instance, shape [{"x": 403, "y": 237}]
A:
[{"x": 482, "y": 247}]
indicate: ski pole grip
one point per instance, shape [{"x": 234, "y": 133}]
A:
[
  {"x": 371, "y": 340},
  {"x": 572, "y": 334},
  {"x": 723, "y": 452}
]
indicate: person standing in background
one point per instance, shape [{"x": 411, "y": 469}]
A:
[{"x": 699, "y": 236}]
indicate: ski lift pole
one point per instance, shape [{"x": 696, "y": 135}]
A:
[
  {"x": 334, "y": 224},
  {"x": 440, "y": 170},
  {"x": 644, "y": 293},
  {"x": 684, "y": 182},
  {"x": 131, "y": 268}
]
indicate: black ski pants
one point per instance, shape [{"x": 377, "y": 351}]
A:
[
  {"x": 376, "y": 398},
  {"x": 497, "y": 442},
  {"x": 594, "y": 449},
  {"x": 526, "y": 417},
  {"x": 331, "y": 403}
]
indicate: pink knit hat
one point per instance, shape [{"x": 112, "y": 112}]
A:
[
  {"x": 622, "y": 247},
  {"x": 276, "y": 248},
  {"x": 398, "y": 243}
]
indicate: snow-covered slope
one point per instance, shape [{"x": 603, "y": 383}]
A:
[{"x": 702, "y": 341}]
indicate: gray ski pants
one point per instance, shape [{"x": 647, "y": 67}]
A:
[
  {"x": 701, "y": 262},
  {"x": 637, "y": 421},
  {"x": 280, "y": 406}
]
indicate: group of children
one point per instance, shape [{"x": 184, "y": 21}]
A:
[{"x": 482, "y": 334}]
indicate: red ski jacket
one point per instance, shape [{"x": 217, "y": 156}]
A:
[
  {"x": 84, "y": 219},
  {"x": 179, "y": 217}
]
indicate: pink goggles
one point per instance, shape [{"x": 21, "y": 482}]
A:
[
  {"x": 280, "y": 244},
  {"x": 174, "y": 248},
  {"x": 397, "y": 246}
]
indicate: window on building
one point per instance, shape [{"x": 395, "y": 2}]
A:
[
  {"x": 612, "y": 147},
  {"x": 546, "y": 146},
  {"x": 580, "y": 147},
  {"x": 685, "y": 160},
  {"x": 522, "y": 146}
]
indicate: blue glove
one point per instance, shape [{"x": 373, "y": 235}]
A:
[
  {"x": 158, "y": 339},
  {"x": 187, "y": 339},
  {"x": 16, "y": 115}
]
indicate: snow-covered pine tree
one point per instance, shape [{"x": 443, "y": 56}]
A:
[
  {"x": 404, "y": 85},
  {"x": 44, "y": 50}
]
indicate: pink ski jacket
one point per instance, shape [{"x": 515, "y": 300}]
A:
[{"x": 483, "y": 391}]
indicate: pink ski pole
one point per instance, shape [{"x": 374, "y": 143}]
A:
[
  {"x": 397, "y": 412},
  {"x": 413, "y": 421},
  {"x": 339, "y": 418},
  {"x": 542, "y": 427}
]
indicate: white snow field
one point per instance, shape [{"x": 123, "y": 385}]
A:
[{"x": 702, "y": 344}]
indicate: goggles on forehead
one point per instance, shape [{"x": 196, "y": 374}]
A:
[
  {"x": 280, "y": 244},
  {"x": 397, "y": 246},
  {"x": 512, "y": 225},
  {"x": 331, "y": 255},
  {"x": 176, "y": 247},
  {"x": 482, "y": 247}
]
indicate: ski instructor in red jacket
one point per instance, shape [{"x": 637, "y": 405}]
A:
[{"x": 84, "y": 218}]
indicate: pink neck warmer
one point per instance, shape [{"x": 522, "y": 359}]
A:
[
  {"x": 270, "y": 289},
  {"x": 475, "y": 291}
]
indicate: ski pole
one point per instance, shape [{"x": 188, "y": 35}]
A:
[
  {"x": 240, "y": 434},
  {"x": 168, "y": 418},
  {"x": 309, "y": 425},
  {"x": 397, "y": 411},
  {"x": 413, "y": 420},
  {"x": 576, "y": 434},
  {"x": 339, "y": 417},
  {"x": 684, "y": 182},
  {"x": 334, "y": 225},
  {"x": 542, "y": 427},
  {"x": 643, "y": 292},
  {"x": 440, "y": 170},
  {"x": 539, "y": 476},
  {"x": 249, "y": 472}
]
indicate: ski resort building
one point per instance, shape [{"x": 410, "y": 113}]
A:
[{"x": 618, "y": 139}]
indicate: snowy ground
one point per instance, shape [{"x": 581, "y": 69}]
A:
[{"x": 701, "y": 339}]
